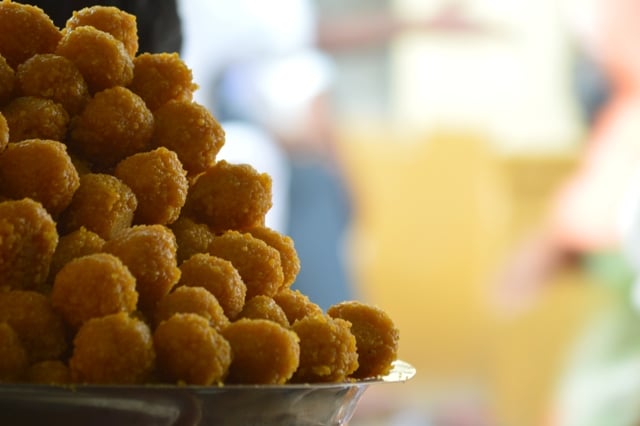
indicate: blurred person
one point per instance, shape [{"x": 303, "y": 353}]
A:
[
  {"x": 585, "y": 214},
  {"x": 594, "y": 223}
]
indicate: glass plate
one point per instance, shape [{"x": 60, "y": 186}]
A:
[{"x": 291, "y": 404}]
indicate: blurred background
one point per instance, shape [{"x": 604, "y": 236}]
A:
[{"x": 423, "y": 152}]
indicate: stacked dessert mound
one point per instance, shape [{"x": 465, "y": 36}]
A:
[{"x": 128, "y": 254}]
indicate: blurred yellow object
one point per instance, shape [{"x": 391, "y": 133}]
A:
[{"x": 435, "y": 217}]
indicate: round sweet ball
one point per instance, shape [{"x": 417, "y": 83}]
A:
[
  {"x": 114, "y": 349},
  {"x": 161, "y": 77},
  {"x": 114, "y": 124},
  {"x": 195, "y": 300},
  {"x": 376, "y": 336},
  {"x": 149, "y": 252},
  {"x": 53, "y": 77},
  {"x": 32, "y": 117},
  {"x": 117, "y": 22},
  {"x": 257, "y": 263},
  {"x": 75, "y": 244},
  {"x": 103, "y": 204},
  {"x": 190, "y": 130},
  {"x": 192, "y": 237},
  {"x": 264, "y": 307},
  {"x": 13, "y": 356},
  {"x": 217, "y": 276},
  {"x": 41, "y": 170},
  {"x": 28, "y": 239},
  {"x": 26, "y": 31},
  {"x": 101, "y": 58},
  {"x": 93, "y": 286},
  {"x": 190, "y": 351},
  {"x": 159, "y": 182},
  {"x": 327, "y": 349},
  {"x": 264, "y": 352},
  {"x": 295, "y": 304},
  {"x": 230, "y": 197},
  {"x": 39, "y": 327},
  {"x": 53, "y": 372},
  {"x": 285, "y": 246}
]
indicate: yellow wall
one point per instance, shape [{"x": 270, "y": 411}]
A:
[{"x": 436, "y": 215}]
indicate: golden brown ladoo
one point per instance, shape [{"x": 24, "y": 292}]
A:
[
  {"x": 53, "y": 77},
  {"x": 114, "y": 124},
  {"x": 161, "y": 77},
  {"x": 376, "y": 336},
  {"x": 13, "y": 356},
  {"x": 217, "y": 276},
  {"x": 264, "y": 352},
  {"x": 257, "y": 263},
  {"x": 327, "y": 349},
  {"x": 159, "y": 182},
  {"x": 192, "y": 238},
  {"x": 75, "y": 244},
  {"x": 102, "y": 203},
  {"x": 295, "y": 304},
  {"x": 264, "y": 307},
  {"x": 28, "y": 239},
  {"x": 100, "y": 57},
  {"x": 194, "y": 300},
  {"x": 93, "y": 286},
  {"x": 191, "y": 131},
  {"x": 285, "y": 246},
  {"x": 31, "y": 117},
  {"x": 120, "y": 24},
  {"x": 190, "y": 351},
  {"x": 149, "y": 252},
  {"x": 230, "y": 197},
  {"x": 40, "y": 169},
  {"x": 113, "y": 349},
  {"x": 26, "y": 31},
  {"x": 39, "y": 327}
]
